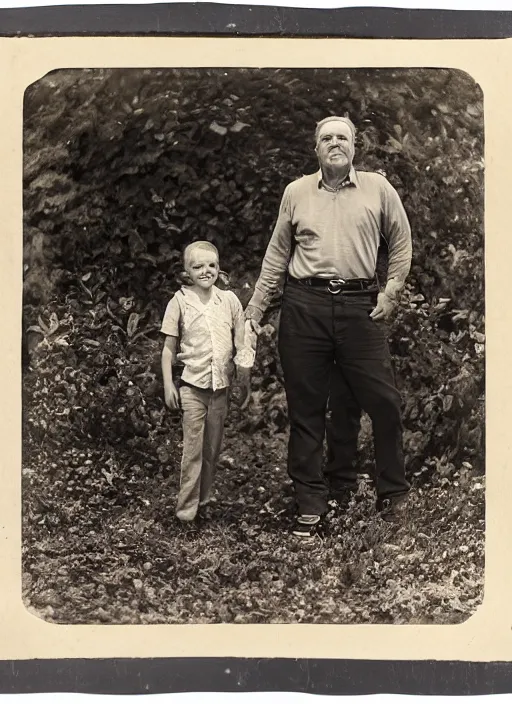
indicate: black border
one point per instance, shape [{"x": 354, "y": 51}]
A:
[
  {"x": 213, "y": 19},
  {"x": 158, "y": 675}
]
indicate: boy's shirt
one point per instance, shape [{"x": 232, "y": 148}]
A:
[{"x": 206, "y": 333}]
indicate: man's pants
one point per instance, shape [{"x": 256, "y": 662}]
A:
[
  {"x": 342, "y": 433},
  {"x": 204, "y": 413},
  {"x": 318, "y": 329}
]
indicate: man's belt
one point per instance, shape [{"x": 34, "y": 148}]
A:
[{"x": 337, "y": 285}]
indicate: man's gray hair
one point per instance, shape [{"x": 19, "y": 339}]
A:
[{"x": 335, "y": 118}]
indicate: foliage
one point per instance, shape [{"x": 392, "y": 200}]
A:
[{"x": 122, "y": 169}]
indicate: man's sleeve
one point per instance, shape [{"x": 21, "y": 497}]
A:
[
  {"x": 277, "y": 256},
  {"x": 171, "y": 320},
  {"x": 397, "y": 232}
]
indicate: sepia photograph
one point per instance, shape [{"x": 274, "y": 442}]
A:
[{"x": 253, "y": 346}]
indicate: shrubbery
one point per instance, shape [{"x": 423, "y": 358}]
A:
[{"x": 123, "y": 168}]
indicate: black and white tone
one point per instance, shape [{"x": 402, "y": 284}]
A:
[{"x": 253, "y": 346}]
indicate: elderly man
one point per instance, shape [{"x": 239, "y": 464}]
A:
[{"x": 325, "y": 243}]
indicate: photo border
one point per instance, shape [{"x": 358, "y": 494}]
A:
[
  {"x": 318, "y": 676},
  {"x": 224, "y": 20}
]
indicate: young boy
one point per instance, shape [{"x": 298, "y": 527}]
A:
[{"x": 205, "y": 322}]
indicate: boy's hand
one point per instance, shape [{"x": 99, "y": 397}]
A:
[{"x": 172, "y": 397}]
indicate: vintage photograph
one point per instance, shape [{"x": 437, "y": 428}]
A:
[{"x": 253, "y": 346}]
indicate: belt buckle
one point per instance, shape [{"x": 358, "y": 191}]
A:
[{"x": 334, "y": 285}]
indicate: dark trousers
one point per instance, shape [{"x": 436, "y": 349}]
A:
[
  {"x": 318, "y": 330},
  {"x": 342, "y": 434}
]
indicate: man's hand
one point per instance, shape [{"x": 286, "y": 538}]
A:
[
  {"x": 384, "y": 308},
  {"x": 254, "y": 314},
  {"x": 172, "y": 397}
]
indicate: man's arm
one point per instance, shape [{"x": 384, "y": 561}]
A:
[
  {"x": 275, "y": 262},
  {"x": 397, "y": 232}
]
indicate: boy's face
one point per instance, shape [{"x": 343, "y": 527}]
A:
[{"x": 203, "y": 268}]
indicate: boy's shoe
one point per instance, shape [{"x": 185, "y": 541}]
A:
[
  {"x": 392, "y": 509},
  {"x": 306, "y": 526}
]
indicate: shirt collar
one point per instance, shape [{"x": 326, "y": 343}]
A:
[
  {"x": 193, "y": 298},
  {"x": 351, "y": 178}
]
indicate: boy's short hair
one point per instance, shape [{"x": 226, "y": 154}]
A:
[
  {"x": 335, "y": 118},
  {"x": 199, "y": 244}
]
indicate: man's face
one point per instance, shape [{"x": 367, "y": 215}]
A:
[{"x": 335, "y": 145}]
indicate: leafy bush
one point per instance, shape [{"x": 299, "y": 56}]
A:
[{"x": 122, "y": 168}]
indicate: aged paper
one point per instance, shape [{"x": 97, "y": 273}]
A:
[{"x": 486, "y": 636}]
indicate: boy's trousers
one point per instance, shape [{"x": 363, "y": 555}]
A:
[{"x": 204, "y": 413}]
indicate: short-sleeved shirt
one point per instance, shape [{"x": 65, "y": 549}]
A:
[{"x": 206, "y": 335}]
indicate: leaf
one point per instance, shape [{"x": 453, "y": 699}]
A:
[
  {"x": 87, "y": 276},
  {"x": 395, "y": 145},
  {"x": 474, "y": 110},
  {"x": 447, "y": 403},
  {"x": 149, "y": 258},
  {"x": 224, "y": 277},
  {"x": 126, "y": 303},
  {"x": 141, "y": 333},
  {"x": 108, "y": 475},
  {"x": 218, "y": 129},
  {"x": 136, "y": 244},
  {"x": 54, "y": 324},
  {"x": 133, "y": 322},
  {"x": 44, "y": 327},
  {"x": 35, "y": 328},
  {"x": 88, "y": 291},
  {"x": 238, "y": 126}
]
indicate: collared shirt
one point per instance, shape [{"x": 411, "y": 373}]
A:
[
  {"x": 335, "y": 233},
  {"x": 206, "y": 334}
]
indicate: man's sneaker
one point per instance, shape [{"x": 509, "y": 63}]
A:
[
  {"x": 306, "y": 526},
  {"x": 392, "y": 509}
]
